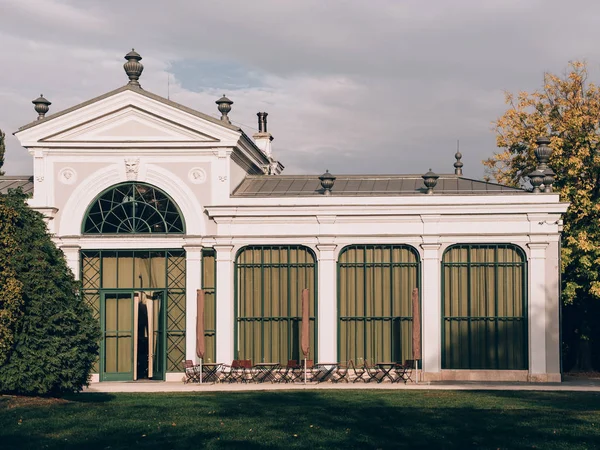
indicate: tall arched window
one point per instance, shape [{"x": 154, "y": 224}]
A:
[
  {"x": 375, "y": 284},
  {"x": 133, "y": 208},
  {"x": 269, "y": 285},
  {"x": 484, "y": 304}
]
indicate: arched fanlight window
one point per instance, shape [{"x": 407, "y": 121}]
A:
[{"x": 133, "y": 208}]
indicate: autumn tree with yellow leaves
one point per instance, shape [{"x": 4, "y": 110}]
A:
[{"x": 567, "y": 110}]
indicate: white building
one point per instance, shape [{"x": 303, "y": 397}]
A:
[{"x": 151, "y": 201}]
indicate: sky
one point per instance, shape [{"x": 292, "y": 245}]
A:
[{"x": 352, "y": 86}]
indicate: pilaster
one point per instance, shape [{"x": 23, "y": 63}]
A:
[
  {"x": 327, "y": 301},
  {"x": 224, "y": 306},
  {"x": 193, "y": 275},
  {"x": 537, "y": 308},
  {"x": 431, "y": 309},
  {"x": 72, "y": 256}
]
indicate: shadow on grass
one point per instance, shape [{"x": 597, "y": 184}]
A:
[{"x": 308, "y": 419}]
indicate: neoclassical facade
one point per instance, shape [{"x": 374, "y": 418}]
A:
[{"x": 151, "y": 201}]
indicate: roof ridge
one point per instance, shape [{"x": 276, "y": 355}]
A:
[{"x": 138, "y": 90}]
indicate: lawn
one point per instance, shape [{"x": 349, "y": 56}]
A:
[{"x": 304, "y": 419}]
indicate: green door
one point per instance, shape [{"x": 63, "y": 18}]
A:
[{"x": 116, "y": 360}]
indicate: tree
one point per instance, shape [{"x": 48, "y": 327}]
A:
[
  {"x": 54, "y": 336},
  {"x": 568, "y": 110},
  {"x": 2, "y": 151},
  {"x": 11, "y": 294}
]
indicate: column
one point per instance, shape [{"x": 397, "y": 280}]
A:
[
  {"x": 225, "y": 317},
  {"x": 553, "y": 343},
  {"x": 431, "y": 311},
  {"x": 537, "y": 308},
  {"x": 327, "y": 301},
  {"x": 72, "y": 254},
  {"x": 193, "y": 277}
]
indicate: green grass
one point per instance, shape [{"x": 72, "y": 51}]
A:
[{"x": 304, "y": 419}]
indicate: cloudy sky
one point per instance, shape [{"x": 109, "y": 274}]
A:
[{"x": 353, "y": 86}]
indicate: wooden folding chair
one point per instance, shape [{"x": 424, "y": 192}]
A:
[
  {"x": 407, "y": 367},
  {"x": 359, "y": 372},
  {"x": 192, "y": 371},
  {"x": 341, "y": 372},
  {"x": 237, "y": 371}
]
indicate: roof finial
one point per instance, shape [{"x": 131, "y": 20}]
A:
[
  {"x": 458, "y": 165},
  {"x": 327, "y": 181},
  {"x": 430, "y": 180},
  {"x": 543, "y": 175},
  {"x": 41, "y": 106},
  {"x": 224, "y": 105},
  {"x": 133, "y": 67}
]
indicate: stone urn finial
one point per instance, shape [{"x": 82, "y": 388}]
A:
[
  {"x": 133, "y": 67},
  {"x": 327, "y": 181},
  {"x": 543, "y": 152},
  {"x": 224, "y": 106},
  {"x": 542, "y": 175},
  {"x": 41, "y": 106},
  {"x": 430, "y": 180}
]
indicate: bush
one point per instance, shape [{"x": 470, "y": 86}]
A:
[{"x": 53, "y": 337}]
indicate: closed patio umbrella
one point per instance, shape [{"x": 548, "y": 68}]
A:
[
  {"x": 200, "y": 348},
  {"x": 416, "y": 331},
  {"x": 305, "y": 329}
]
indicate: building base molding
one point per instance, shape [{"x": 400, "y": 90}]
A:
[{"x": 490, "y": 376}]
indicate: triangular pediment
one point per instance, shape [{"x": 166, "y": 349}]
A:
[{"x": 129, "y": 124}]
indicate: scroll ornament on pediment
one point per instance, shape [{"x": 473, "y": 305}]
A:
[{"x": 132, "y": 166}]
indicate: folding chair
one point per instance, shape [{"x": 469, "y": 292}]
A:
[
  {"x": 372, "y": 372},
  {"x": 359, "y": 372},
  {"x": 408, "y": 367},
  {"x": 237, "y": 371},
  {"x": 290, "y": 372},
  {"x": 192, "y": 371},
  {"x": 341, "y": 372}
]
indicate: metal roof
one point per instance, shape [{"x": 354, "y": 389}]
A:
[
  {"x": 14, "y": 182},
  {"x": 364, "y": 185}
]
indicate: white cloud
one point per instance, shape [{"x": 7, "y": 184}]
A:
[{"x": 352, "y": 86}]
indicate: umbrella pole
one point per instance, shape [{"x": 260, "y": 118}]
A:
[
  {"x": 304, "y": 370},
  {"x": 200, "y": 370},
  {"x": 416, "y": 371}
]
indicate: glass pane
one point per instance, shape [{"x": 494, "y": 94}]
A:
[
  {"x": 109, "y": 270},
  {"x": 270, "y": 281},
  {"x": 375, "y": 298},
  {"x": 484, "y": 308}
]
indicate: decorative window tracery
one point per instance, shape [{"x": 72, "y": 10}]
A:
[{"x": 133, "y": 208}]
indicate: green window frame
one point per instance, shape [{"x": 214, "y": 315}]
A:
[
  {"x": 269, "y": 280},
  {"x": 375, "y": 284},
  {"x": 484, "y": 307},
  {"x": 121, "y": 274},
  {"x": 133, "y": 208}
]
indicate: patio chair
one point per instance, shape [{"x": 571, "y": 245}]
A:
[
  {"x": 290, "y": 372},
  {"x": 408, "y": 367},
  {"x": 239, "y": 370},
  {"x": 341, "y": 372},
  {"x": 359, "y": 372},
  {"x": 372, "y": 372},
  {"x": 191, "y": 371}
]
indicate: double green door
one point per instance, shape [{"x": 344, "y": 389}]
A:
[{"x": 133, "y": 338}]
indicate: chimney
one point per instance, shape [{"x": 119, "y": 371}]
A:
[
  {"x": 262, "y": 122},
  {"x": 263, "y": 139}
]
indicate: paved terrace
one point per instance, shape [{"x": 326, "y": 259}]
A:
[{"x": 569, "y": 384}]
